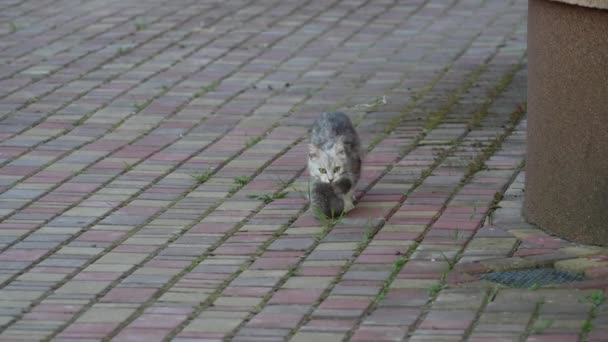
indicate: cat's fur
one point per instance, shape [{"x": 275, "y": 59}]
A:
[{"x": 335, "y": 149}]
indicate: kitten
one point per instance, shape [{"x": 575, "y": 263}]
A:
[{"x": 334, "y": 163}]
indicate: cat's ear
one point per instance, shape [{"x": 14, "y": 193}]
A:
[{"x": 313, "y": 151}]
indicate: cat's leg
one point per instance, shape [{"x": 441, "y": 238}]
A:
[{"x": 348, "y": 201}]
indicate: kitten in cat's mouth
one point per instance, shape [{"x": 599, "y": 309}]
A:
[{"x": 334, "y": 163}]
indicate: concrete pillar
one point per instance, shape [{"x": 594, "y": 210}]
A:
[{"x": 567, "y": 160}]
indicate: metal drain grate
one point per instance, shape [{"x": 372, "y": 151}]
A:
[{"x": 532, "y": 277}]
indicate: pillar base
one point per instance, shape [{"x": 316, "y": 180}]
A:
[{"x": 567, "y": 160}]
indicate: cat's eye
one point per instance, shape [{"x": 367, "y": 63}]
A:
[
  {"x": 336, "y": 169},
  {"x": 322, "y": 170}
]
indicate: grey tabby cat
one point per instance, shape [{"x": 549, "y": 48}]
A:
[{"x": 334, "y": 163}]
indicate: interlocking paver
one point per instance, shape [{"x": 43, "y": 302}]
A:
[{"x": 153, "y": 182}]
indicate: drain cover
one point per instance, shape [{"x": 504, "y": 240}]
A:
[{"x": 532, "y": 277}]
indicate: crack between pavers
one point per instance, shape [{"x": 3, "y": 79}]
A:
[
  {"x": 518, "y": 241},
  {"x": 535, "y": 314},
  {"x": 593, "y": 313},
  {"x": 489, "y": 295}
]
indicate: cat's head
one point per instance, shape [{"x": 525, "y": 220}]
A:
[{"x": 327, "y": 165}]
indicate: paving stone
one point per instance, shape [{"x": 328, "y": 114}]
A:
[
  {"x": 378, "y": 333},
  {"x": 237, "y": 301},
  {"x": 387, "y": 316},
  {"x": 213, "y": 325},
  {"x": 97, "y": 314},
  {"x": 314, "y": 336}
]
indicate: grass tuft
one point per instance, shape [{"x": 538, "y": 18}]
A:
[
  {"x": 241, "y": 180},
  {"x": 201, "y": 177},
  {"x": 268, "y": 198},
  {"x": 139, "y": 106},
  {"x": 127, "y": 167},
  {"x": 252, "y": 141},
  {"x": 122, "y": 51},
  {"x": 210, "y": 87},
  {"x": 435, "y": 289}
]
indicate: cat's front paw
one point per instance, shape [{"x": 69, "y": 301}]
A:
[{"x": 348, "y": 204}]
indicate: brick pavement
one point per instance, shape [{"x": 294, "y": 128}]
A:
[{"x": 153, "y": 183}]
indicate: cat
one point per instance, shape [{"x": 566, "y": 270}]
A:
[{"x": 334, "y": 163}]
